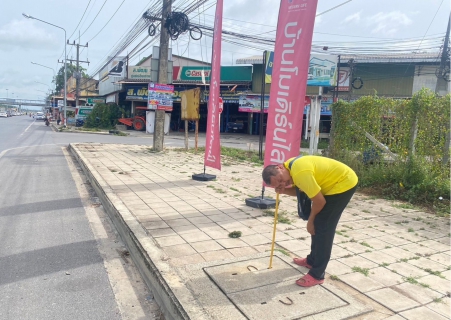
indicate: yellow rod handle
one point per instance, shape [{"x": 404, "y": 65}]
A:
[{"x": 274, "y": 230}]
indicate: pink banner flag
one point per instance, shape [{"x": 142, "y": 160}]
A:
[
  {"x": 289, "y": 79},
  {"x": 213, "y": 144}
]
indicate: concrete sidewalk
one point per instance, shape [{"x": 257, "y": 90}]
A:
[{"x": 388, "y": 261}]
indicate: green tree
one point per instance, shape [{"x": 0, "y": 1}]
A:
[
  {"x": 59, "y": 78},
  {"x": 104, "y": 116}
]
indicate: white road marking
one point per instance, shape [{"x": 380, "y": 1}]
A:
[{"x": 27, "y": 128}]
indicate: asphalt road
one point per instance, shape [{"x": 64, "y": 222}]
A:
[{"x": 50, "y": 263}]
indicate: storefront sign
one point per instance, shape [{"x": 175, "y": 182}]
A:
[
  {"x": 160, "y": 96},
  {"x": 252, "y": 103},
  {"x": 137, "y": 93},
  {"x": 343, "y": 82},
  {"x": 137, "y": 72},
  {"x": 322, "y": 69},
  {"x": 228, "y": 73},
  {"x": 95, "y": 100},
  {"x": 116, "y": 67}
]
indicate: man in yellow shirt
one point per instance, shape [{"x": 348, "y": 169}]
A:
[{"x": 330, "y": 185}]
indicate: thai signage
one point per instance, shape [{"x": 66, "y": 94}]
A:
[
  {"x": 290, "y": 69},
  {"x": 212, "y": 157},
  {"x": 138, "y": 72},
  {"x": 116, "y": 66},
  {"x": 322, "y": 69},
  {"x": 137, "y": 93},
  {"x": 160, "y": 96}
]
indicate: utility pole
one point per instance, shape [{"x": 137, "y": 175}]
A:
[
  {"x": 158, "y": 135},
  {"x": 443, "y": 81},
  {"x": 442, "y": 78},
  {"x": 77, "y": 73}
]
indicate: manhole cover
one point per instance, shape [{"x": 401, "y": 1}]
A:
[
  {"x": 285, "y": 300},
  {"x": 244, "y": 275}
]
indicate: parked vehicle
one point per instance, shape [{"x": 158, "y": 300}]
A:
[
  {"x": 39, "y": 116},
  {"x": 138, "y": 122},
  {"x": 3, "y": 114}
]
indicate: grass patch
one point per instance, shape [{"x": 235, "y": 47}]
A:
[
  {"x": 363, "y": 243},
  {"x": 411, "y": 280},
  {"x": 384, "y": 264},
  {"x": 231, "y": 154},
  {"x": 282, "y": 215},
  {"x": 334, "y": 277},
  {"x": 410, "y": 230},
  {"x": 234, "y": 189},
  {"x": 235, "y": 234},
  {"x": 364, "y": 271},
  {"x": 435, "y": 273}
]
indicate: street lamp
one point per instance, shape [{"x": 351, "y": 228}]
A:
[
  {"x": 45, "y": 67},
  {"x": 43, "y": 83},
  {"x": 65, "y": 62}
]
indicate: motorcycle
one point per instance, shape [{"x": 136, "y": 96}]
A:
[{"x": 47, "y": 122}]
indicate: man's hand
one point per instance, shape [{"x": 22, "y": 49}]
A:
[{"x": 311, "y": 227}]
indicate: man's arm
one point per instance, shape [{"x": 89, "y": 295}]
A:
[{"x": 318, "y": 204}]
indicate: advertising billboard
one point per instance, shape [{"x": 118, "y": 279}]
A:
[{"x": 160, "y": 96}]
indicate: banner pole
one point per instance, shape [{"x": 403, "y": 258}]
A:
[
  {"x": 262, "y": 107},
  {"x": 196, "y": 134},
  {"x": 274, "y": 230}
]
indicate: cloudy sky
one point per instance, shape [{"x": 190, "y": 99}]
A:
[{"x": 357, "y": 26}]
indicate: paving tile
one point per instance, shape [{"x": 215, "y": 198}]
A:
[
  {"x": 241, "y": 252},
  {"x": 169, "y": 241},
  {"x": 417, "y": 249},
  {"x": 215, "y": 232},
  {"x": 255, "y": 239},
  {"x": 385, "y": 276},
  {"x": 417, "y": 292},
  {"x": 280, "y": 236},
  {"x": 155, "y": 224},
  {"x": 293, "y": 245},
  {"x": 436, "y": 245},
  {"x": 358, "y": 261},
  {"x": 216, "y": 255},
  {"x": 195, "y": 236},
  {"x": 355, "y": 234},
  {"x": 187, "y": 260},
  {"x": 231, "y": 243},
  {"x": 441, "y": 307},
  {"x": 178, "y": 222},
  {"x": 379, "y": 257},
  {"x": 424, "y": 263},
  {"x": 360, "y": 282},
  {"x": 422, "y": 313},
  {"x": 185, "y": 229},
  {"x": 436, "y": 283},
  {"x": 392, "y": 299},
  {"x": 204, "y": 246},
  {"x": 198, "y": 220},
  {"x": 399, "y": 253},
  {"x": 394, "y": 240},
  {"x": 442, "y": 258},
  {"x": 163, "y": 232},
  {"x": 354, "y": 247},
  {"x": 179, "y": 250},
  {"x": 375, "y": 243},
  {"x": 220, "y": 218},
  {"x": 339, "y": 252},
  {"x": 406, "y": 270},
  {"x": 337, "y": 268}
]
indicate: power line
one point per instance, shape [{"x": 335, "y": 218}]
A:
[
  {"x": 80, "y": 20},
  {"x": 94, "y": 18},
  {"x": 108, "y": 21}
]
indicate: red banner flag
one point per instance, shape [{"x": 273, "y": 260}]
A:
[
  {"x": 289, "y": 79},
  {"x": 213, "y": 144}
]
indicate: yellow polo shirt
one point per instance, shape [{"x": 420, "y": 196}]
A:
[{"x": 313, "y": 174}]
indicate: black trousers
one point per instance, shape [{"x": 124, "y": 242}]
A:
[{"x": 325, "y": 225}]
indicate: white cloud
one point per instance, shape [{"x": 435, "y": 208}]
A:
[
  {"x": 353, "y": 17},
  {"x": 388, "y": 23},
  {"x": 22, "y": 34}
]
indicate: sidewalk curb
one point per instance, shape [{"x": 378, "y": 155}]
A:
[{"x": 139, "y": 244}]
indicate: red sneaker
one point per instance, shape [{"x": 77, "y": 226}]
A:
[
  {"x": 302, "y": 262},
  {"x": 308, "y": 281}
]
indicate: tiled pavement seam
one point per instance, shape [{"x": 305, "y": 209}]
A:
[{"x": 385, "y": 250}]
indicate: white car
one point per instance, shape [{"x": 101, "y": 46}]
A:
[{"x": 3, "y": 114}]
